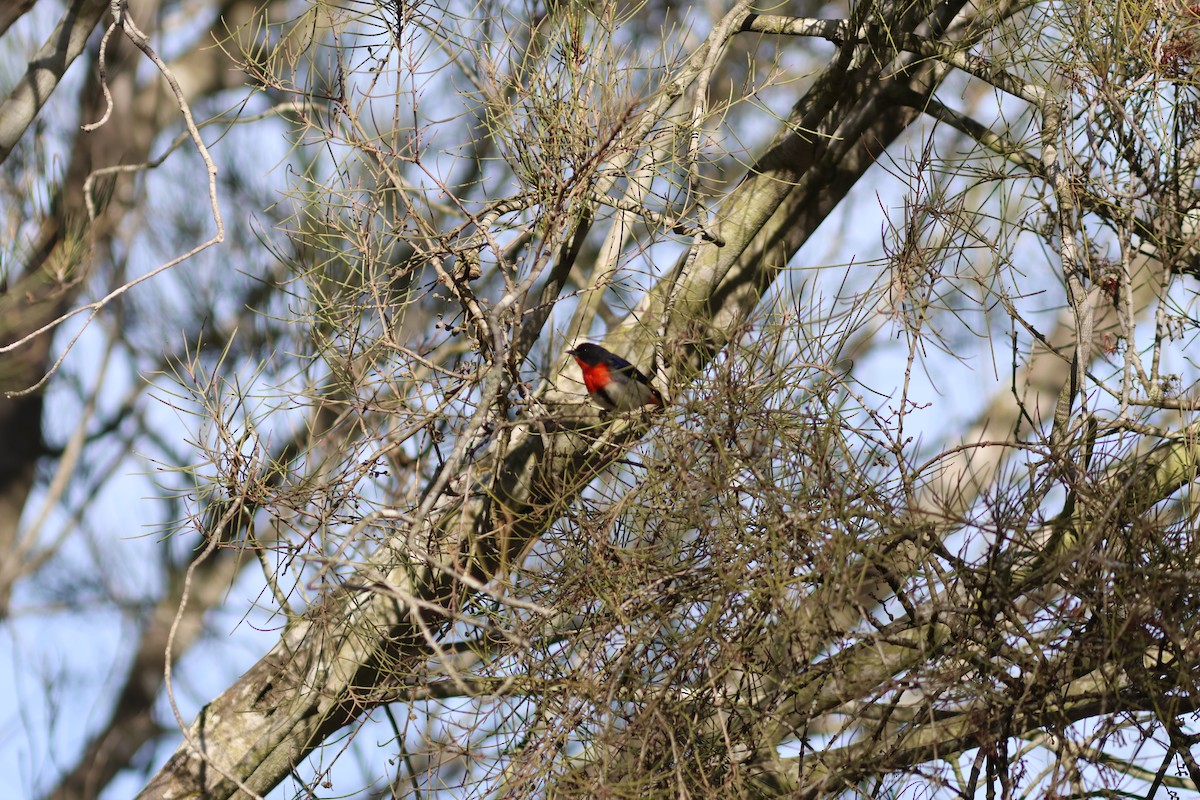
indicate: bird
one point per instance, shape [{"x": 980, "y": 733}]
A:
[{"x": 613, "y": 383}]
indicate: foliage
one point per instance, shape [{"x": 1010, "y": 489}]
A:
[{"x": 918, "y": 283}]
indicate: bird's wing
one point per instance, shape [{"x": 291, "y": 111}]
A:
[{"x": 621, "y": 365}]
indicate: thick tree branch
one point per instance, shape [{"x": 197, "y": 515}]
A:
[{"x": 25, "y": 101}]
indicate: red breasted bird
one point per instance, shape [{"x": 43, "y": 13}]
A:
[{"x": 614, "y": 383}]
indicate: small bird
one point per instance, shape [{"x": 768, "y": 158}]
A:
[{"x": 614, "y": 383}]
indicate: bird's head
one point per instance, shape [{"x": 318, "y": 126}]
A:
[{"x": 588, "y": 353}]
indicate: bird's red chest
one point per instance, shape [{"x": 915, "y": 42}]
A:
[{"x": 595, "y": 376}]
